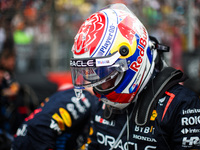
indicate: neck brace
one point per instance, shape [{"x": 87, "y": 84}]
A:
[{"x": 156, "y": 87}]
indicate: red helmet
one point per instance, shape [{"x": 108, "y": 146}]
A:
[{"x": 113, "y": 54}]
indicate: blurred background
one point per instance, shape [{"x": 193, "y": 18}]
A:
[{"x": 41, "y": 32}]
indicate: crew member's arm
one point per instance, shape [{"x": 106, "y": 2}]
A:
[{"x": 63, "y": 115}]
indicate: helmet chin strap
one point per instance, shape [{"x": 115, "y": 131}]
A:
[{"x": 110, "y": 112}]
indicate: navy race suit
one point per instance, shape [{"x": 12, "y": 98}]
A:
[
  {"x": 60, "y": 123},
  {"x": 174, "y": 125}
]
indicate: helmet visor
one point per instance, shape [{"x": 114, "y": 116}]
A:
[{"x": 95, "y": 71}]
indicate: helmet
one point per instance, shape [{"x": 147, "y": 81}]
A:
[{"x": 112, "y": 53}]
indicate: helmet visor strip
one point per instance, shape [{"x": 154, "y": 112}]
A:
[{"x": 95, "y": 71}]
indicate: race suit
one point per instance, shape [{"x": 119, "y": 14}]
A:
[
  {"x": 62, "y": 122},
  {"x": 174, "y": 125}
]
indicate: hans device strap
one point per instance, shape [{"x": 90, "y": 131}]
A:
[{"x": 149, "y": 97}]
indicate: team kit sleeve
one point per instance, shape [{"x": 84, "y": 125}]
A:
[
  {"x": 60, "y": 116},
  {"x": 184, "y": 113},
  {"x": 187, "y": 131}
]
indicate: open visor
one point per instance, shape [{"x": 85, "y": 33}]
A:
[{"x": 95, "y": 71}]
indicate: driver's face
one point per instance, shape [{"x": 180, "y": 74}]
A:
[{"x": 108, "y": 84}]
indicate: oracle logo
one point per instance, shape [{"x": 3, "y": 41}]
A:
[{"x": 81, "y": 63}]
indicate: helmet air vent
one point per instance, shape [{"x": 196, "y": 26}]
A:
[{"x": 124, "y": 50}]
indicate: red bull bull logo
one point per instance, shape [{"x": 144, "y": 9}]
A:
[{"x": 126, "y": 29}]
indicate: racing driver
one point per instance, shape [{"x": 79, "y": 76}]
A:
[{"x": 143, "y": 105}]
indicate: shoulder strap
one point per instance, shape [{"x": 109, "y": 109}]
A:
[{"x": 149, "y": 97}]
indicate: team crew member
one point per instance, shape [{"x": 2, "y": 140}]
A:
[
  {"x": 142, "y": 105},
  {"x": 60, "y": 123}
]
